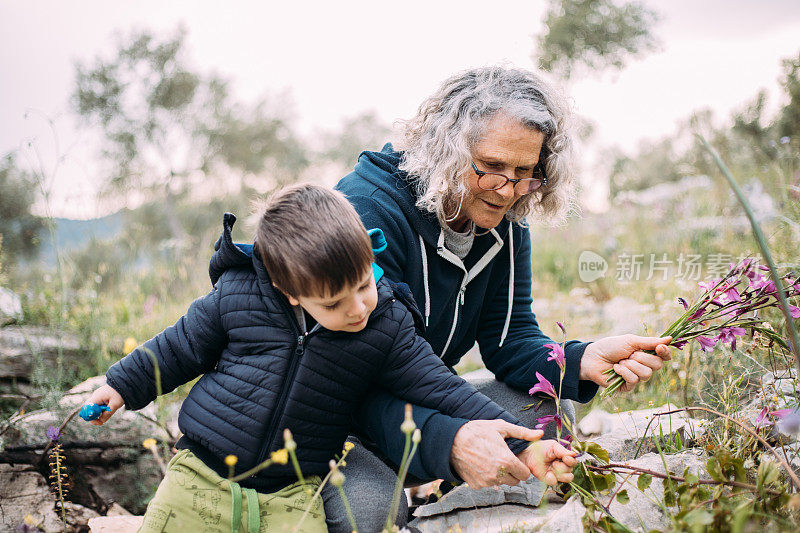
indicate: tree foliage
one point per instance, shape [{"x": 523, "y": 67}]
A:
[
  {"x": 19, "y": 228},
  {"x": 169, "y": 129},
  {"x": 361, "y": 132},
  {"x": 598, "y": 34}
]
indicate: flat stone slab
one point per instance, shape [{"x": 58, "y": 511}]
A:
[
  {"x": 24, "y": 492},
  {"x": 21, "y": 346},
  {"x": 620, "y": 433},
  {"x": 116, "y": 524},
  {"x": 10, "y": 307},
  {"x": 641, "y": 513},
  {"x": 463, "y": 497}
]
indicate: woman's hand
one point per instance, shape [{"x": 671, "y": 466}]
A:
[
  {"x": 624, "y": 354},
  {"x": 106, "y": 395},
  {"x": 481, "y": 457}
]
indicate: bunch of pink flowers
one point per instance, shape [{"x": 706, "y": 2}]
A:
[{"x": 725, "y": 310}]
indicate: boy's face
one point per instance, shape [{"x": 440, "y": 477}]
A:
[{"x": 347, "y": 310}]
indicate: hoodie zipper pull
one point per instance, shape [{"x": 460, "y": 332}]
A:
[
  {"x": 461, "y": 294},
  {"x": 300, "y": 341}
]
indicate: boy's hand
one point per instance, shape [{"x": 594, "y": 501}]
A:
[
  {"x": 481, "y": 457},
  {"x": 549, "y": 461},
  {"x": 106, "y": 395}
]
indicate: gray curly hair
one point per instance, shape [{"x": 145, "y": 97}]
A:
[{"x": 437, "y": 141}]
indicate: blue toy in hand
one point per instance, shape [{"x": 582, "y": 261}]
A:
[{"x": 92, "y": 411}]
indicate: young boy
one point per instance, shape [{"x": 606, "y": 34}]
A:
[{"x": 293, "y": 334}]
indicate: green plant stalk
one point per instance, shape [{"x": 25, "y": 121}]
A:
[
  {"x": 319, "y": 491},
  {"x": 398, "y": 486},
  {"x": 762, "y": 244},
  {"x": 350, "y": 516},
  {"x": 296, "y": 465},
  {"x": 244, "y": 475}
]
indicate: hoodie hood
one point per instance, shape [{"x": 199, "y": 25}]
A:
[{"x": 380, "y": 169}]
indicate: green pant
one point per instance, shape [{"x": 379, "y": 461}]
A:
[{"x": 194, "y": 498}]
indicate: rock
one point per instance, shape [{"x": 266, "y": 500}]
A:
[
  {"x": 552, "y": 516},
  {"x": 116, "y": 524},
  {"x": 118, "y": 510},
  {"x": 778, "y": 390},
  {"x": 22, "y": 346},
  {"x": 641, "y": 513},
  {"x": 782, "y": 382},
  {"x": 790, "y": 452},
  {"x": 463, "y": 497},
  {"x": 621, "y": 433},
  {"x": 103, "y": 459},
  {"x": 565, "y": 519},
  {"x": 24, "y": 492},
  {"x": 10, "y": 307}
]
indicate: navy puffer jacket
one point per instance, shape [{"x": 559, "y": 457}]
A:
[{"x": 261, "y": 374}]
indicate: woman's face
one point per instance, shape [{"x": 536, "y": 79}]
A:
[{"x": 507, "y": 148}]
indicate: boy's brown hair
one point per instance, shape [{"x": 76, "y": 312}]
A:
[{"x": 312, "y": 241}]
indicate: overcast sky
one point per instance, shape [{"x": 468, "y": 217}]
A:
[{"x": 337, "y": 59}]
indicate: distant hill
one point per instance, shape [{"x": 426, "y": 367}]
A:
[{"x": 75, "y": 234}]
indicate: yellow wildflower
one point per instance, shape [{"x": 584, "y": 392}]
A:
[
  {"x": 231, "y": 460},
  {"x": 129, "y": 345},
  {"x": 280, "y": 456},
  {"x": 348, "y": 446},
  {"x": 149, "y": 443}
]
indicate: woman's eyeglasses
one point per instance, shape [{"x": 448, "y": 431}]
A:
[{"x": 490, "y": 181}]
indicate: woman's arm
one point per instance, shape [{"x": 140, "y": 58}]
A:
[{"x": 523, "y": 351}]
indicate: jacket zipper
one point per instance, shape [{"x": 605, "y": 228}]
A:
[
  {"x": 451, "y": 258},
  {"x": 457, "y": 306},
  {"x": 289, "y": 381}
]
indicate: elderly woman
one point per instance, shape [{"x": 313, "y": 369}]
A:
[{"x": 490, "y": 150}]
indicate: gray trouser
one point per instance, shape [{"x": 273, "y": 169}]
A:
[{"x": 369, "y": 482}]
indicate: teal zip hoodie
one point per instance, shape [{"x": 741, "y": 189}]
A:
[{"x": 484, "y": 298}]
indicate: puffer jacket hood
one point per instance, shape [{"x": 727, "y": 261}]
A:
[{"x": 227, "y": 254}]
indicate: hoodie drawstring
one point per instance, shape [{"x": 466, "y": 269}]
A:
[
  {"x": 510, "y": 284},
  {"x": 425, "y": 279}
]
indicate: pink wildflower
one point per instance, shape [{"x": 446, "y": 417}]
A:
[
  {"x": 557, "y": 354},
  {"x": 732, "y": 295},
  {"x": 794, "y": 311},
  {"x": 729, "y": 335},
  {"x": 708, "y": 285},
  {"x": 543, "y": 422},
  {"x": 706, "y": 344},
  {"x": 544, "y": 387}
]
